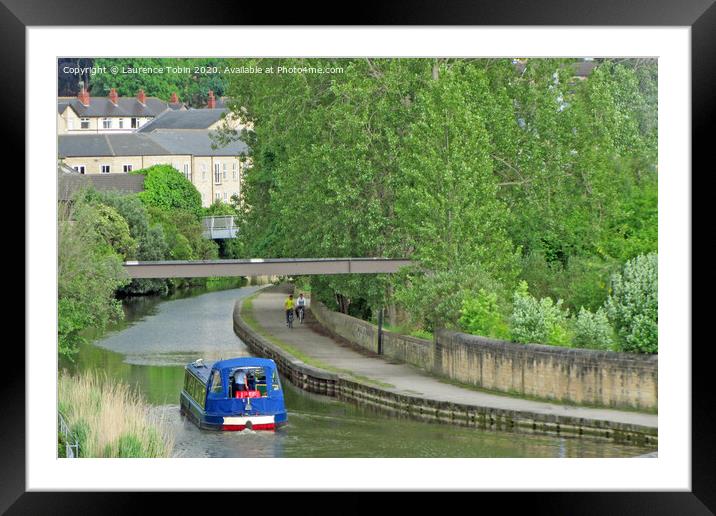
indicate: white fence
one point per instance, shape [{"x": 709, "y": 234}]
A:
[{"x": 220, "y": 227}]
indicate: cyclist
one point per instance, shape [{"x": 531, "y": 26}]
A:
[
  {"x": 300, "y": 307},
  {"x": 288, "y": 306}
]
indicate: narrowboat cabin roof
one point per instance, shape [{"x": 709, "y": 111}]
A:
[{"x": 203, "y": 369}]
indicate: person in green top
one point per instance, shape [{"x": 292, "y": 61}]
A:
[{"x": 288, "y": 306}]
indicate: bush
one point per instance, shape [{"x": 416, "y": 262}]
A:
[
  {"x": 89, "y": 271},
  {"x": 633, "y": 305},
  {"x": 543, "y": 321},
  {"x": 167, "y": 188},
  {"x": 434, "y": 300},
  {"x": 480, "y": 315},
  {"x": 592, "y": 330}
]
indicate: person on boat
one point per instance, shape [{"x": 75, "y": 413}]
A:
[
  {"x": 301, "y": 304},
  {"x": 251, "y": 381},
  {"x": 288, "y": 306},
  {"x": 240, "y": 380}
]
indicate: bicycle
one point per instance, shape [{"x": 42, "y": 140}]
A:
[
  {"x": 290, "y": 319},
  {"x": 300, "y": 311}
]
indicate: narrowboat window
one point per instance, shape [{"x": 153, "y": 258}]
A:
[
  {"x": 195, "y": 388},
  {"x": 275, "y": 382},
  {"x": 248, "y": 380},
  {"x": 216, "y": 387}
]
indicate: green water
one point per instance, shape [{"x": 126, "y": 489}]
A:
[{"x": 149, "y": 349}]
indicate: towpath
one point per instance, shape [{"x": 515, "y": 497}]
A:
[{"x": 405, "y": 379}]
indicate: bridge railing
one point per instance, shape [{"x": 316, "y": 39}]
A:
[{"x": 220, "y": 227}]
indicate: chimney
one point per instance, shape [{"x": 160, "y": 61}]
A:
[
  {"x": 174, "y": 99},
  {"x": 84, "y": 96},
  {"x": 211, "y": 104},
  {"x": 113, "y": 97},
  {"x": 141, "y": 97}
]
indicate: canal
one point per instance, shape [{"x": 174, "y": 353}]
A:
[{"x": 160, "y": 335}]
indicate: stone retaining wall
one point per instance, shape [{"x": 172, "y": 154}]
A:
[
  {"x": 347, "y": 389},
  {"x": 602, "y": 378}
]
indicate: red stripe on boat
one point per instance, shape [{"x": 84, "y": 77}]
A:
[{"x": 265, "y": 426}]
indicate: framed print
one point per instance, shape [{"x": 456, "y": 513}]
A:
[{"x": 337, "y": 257}]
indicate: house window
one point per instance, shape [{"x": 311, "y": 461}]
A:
[
  {"x": 106, "y": 123},
  {"x": 126, "y": 168},
  {"x": 79, "y": 168},
  {"x": 84, "y": 123},
  {"x": 121, "y": 123},
  {"x": 187, "y": 172},
  {"x": 224, "y": 195},
  {"x": 105, "y": 169},
  {"x": 217, "y": 174},
  {"x": 235, "y": 171},
  {"x": 135, "y": 123},
  {"x": 224, "y": 170},
  {"x": 203, "y": 171},
  {"x": 218, "y": 196}
]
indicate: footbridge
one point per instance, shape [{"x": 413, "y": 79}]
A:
[{"x": 264, "y": 267}]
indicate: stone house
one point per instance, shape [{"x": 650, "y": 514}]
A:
[{"x": 215, "y": 172}]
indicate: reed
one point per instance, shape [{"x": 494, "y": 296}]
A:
[{"x": 110, "y": 419}]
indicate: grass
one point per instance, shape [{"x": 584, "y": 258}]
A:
[
  {"x": 405, "y": 330},
  {"x": 110, "y": 419},
  {"x": 248, "y": 317}
]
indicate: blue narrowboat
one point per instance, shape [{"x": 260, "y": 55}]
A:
[{"x": 234, "y": 394}]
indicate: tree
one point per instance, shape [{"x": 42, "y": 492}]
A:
[
  {"x": 633, "y": 306},
  {"x": 89, "y": 272},
  {"x": 190, "y": 78},
  {"x": 166, "y": 188}
]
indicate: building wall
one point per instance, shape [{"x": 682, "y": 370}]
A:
[
  {"x": 605, "y": 378},
  {"x": 69, "y": 123},
  {"x": 200, "y": 171}
]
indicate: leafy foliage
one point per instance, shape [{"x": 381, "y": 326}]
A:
[
  {"x": 633, "y": 305},
  {"x": 481, "y": 174},
  {"x": 481, "y": 315},
  {"x": 592, "y": 330},
  {"x": 89, "y": 272},
  {"x": 166, "y": 188},
  {"x": 534, "y": 321},
  {"x": 191, "y": 87}
]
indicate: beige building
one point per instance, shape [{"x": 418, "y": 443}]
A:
[
  {"x": 112, "y": 114},
  {"x": 216, "y": 173}
]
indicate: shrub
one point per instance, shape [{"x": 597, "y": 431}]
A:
[
  {"x": 480, "y": 315},
  {"x": 434, "y": 300},
  {"x": 89, "y": 271},
  {"x": 167, "y": 188},
  {"x": 534, "y": 321},
  {"x": 633, "y": 304},
  {"x": 592, "y": 330}
]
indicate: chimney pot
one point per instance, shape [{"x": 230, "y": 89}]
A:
[
  {"x": 174, "y": 99},
  {"x": 113, "y": 97},
  {"x": 211, "y": 104},
  {"x": 141, "y": 97},
  {"x": 84, "y": 96}
]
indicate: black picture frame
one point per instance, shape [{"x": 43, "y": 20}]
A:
[{"x": 699, "y": 15}]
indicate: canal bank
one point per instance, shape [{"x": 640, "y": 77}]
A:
[
  {"x": 149, "y": 349},
  {"x": 317, "y": 363}
]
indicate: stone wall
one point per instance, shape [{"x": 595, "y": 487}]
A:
[
  {"x": 592, "y": 377},
  {"x": 354, "y": 330},
  {"x": 348, "y": 389},
  {"x": 602, "y": 378}
]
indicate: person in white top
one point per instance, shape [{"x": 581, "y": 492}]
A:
[
  {"x": 300, "y": 305},
  {"x": 240, "y": 380}
]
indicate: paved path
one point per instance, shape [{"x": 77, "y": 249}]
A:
[{"x": 268, "y": 312}]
